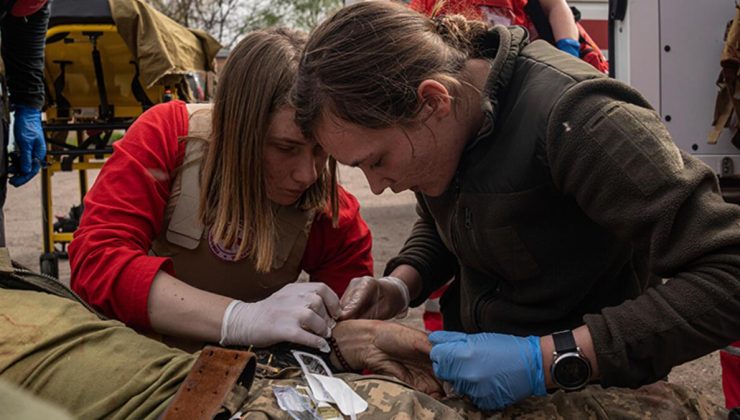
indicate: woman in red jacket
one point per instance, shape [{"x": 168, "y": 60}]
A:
[
  {"x": 551, "y": 20},
  {"x": 204, "y": 216}
]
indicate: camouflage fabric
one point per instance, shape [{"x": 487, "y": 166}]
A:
[{"x": 389, "y": 398}]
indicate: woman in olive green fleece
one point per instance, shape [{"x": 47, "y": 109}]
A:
[{"x": 553, "y": 194}]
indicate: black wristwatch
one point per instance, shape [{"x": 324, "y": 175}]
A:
[{"x": 570, "y": 370}]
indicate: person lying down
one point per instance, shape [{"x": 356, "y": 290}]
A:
[{"x": 60, "y": 351}]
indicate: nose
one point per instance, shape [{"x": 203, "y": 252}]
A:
[
  {"x": 378, "y": 184},
  {"x": 305, "y": 173}
]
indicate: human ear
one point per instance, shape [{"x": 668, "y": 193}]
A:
[{"x": 434, "y": 98}]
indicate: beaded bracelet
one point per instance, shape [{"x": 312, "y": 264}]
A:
[{"x": 342, "y": 360}]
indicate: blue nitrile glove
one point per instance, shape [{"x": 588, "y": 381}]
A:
[
  {"x": 494, "y": 370},
  {"x": 569, "y": 45},
  {"x": 30, "y": 144}
]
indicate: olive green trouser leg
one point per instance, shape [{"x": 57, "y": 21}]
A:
[
  {"x": 18, "y": 404},
  {"x": 62, "y": 353}
]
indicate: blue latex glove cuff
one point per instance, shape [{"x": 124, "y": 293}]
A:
[
  {"x": 569, "y": 45},
  {"x": 30, "y": 144},
  {"x": 494, "y": 370}
]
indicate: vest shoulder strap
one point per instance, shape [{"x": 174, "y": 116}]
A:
[{"x": 184, "y": 228}]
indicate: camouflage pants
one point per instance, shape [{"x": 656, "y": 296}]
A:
[
  {"x": 61, "y": 352},
  {"x": 389, "y": 398}
]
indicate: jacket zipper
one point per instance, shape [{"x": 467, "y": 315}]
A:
[{"x": 454, "y": 223}]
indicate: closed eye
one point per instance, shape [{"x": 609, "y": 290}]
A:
[
  {"x": 287, "y": 149},
  {"x": 377, "y": 163}
]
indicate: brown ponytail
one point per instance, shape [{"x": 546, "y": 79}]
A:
[
  {"x": 365, "y": 62},
  {"x": 460, "y": 33}
]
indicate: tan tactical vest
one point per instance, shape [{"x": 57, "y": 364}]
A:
[
  {"x": 186, "y": 241},
  {"x": 728, "y": 94}
]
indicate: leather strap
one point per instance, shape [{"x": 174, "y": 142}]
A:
[
  {"x": 564, "y": 342},
  {"x": 216, "y": 387}
]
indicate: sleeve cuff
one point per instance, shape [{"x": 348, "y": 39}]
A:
[{"x": 144, "y": 268}]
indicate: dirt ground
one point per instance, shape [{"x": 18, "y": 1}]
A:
[{"x": 389, "y": 216}]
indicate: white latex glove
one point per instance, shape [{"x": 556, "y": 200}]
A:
[
  {"x": 371, "y": 298},
  {"x": 301, "y": 313}
]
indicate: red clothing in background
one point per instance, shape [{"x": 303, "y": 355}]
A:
[
  {"x": 512, "y": 12},
  {"x": 731, "y": 377},
  {"x": 124, "y": 211},
  {"x": 23, "y": 8}
]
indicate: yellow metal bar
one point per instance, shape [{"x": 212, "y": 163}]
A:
[
  {"x": 62, "y": 237},
  {"x": 49, "y": 216},
  {"x": 56, "y": 166}
]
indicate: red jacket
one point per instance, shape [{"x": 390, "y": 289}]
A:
[
  {"x": 515, "y": 12},
  {"x": 124, "y": 211},
  {"x": 731, "y": 377}
]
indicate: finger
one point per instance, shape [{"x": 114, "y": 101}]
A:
[
  {"x": 312, "y": 322},
  {"x": 316, "y": 304},
  {"x": 439, "y": 337},
  {"x": 307, "y": 339},
  {"x": 438, "y": 367},
  {"x": 18, "y": 180},
  {"x": 361, "y": 304},
  {"x": 330, "y": 299},
  {"x": 354, "y": 286},
  {"x": 441, "y": 356},
  {"x": 422, "y": 345},
  {"x": 25, "y": 156},
  {"x": 349, "y": 305},
  {"x": 427, "y": 383}
]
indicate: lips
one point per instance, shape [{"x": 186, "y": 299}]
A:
[{"x": 295, "y": 192}]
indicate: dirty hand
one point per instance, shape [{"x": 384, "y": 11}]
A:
[
  {"x": 494, "y": 370},
  {"x": 30, "y": 144},
  {"x": 371, "y": 298},
  {"x": 301, "y": 313},
  {"x": 388, "y": 348}
]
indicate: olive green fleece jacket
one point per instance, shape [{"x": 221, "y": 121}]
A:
[{"x": 568, "y": 208}]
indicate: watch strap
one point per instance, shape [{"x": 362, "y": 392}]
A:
[{"x": 564, "y": 342}]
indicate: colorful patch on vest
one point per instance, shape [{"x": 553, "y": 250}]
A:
[{"x": 223, "y": 253}]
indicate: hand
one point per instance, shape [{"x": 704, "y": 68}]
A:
[
  {"x": 494, "y": 370},
  {"x": 388, "y": 348},
  {"x": 301, "y": 313},
  {"x": 30, "y": 144},
  {"x": 371, "y": 298},
  {"x": 569, "y": 45}
]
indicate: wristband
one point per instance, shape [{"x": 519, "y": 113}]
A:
[
  {"x": 340, "y": 357},
  {"x": 404, "y": 293},
  {"x": 225, "y": 321}
]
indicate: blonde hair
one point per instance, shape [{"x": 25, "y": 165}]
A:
[
  {"x": 365, "y": 62},
  {"x": 253, "y": 84}
]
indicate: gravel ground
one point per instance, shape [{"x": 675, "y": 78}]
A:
[{"x": 389, "y": 215}]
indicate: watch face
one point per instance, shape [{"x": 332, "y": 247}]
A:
[{"x": 571, "y": 371}]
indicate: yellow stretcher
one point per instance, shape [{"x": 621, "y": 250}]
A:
[{"x": 95, "y": 88}]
